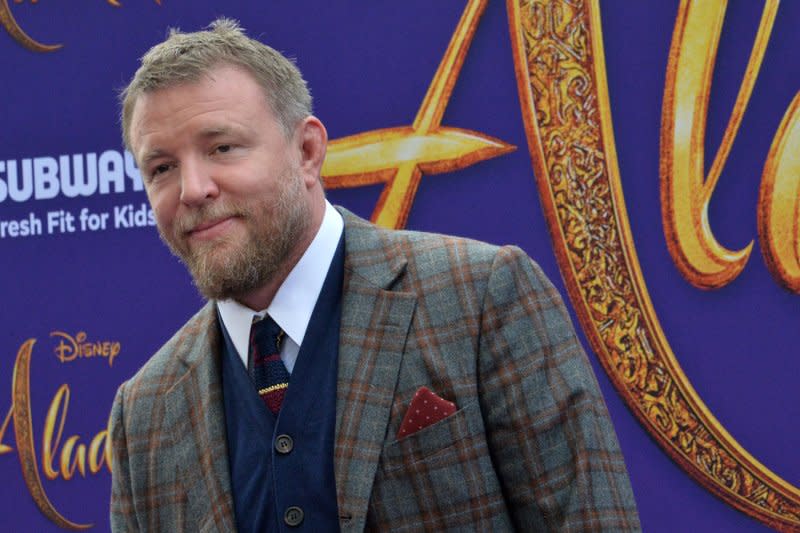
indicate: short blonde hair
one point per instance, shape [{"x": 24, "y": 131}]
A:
[{"x": 186, "y": 57}]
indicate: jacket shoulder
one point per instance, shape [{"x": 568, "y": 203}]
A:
[
  {"x": 372, "y": 248},
  {"x": 186, "y": 347},
  {"x": 466, "y": 261}
]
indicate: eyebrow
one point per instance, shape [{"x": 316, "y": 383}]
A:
[
  {"x": 215, "y": 131},
  {"x": 150, "y": 156},
  {"x": 209, "y": 133}
]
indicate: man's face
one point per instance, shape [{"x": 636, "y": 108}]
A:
[{"x": 223, "y": 180}]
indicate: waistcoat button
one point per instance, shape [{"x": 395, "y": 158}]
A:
[
  {"x": 293, "y": 516},
  {"x": 284, "y": 444}
]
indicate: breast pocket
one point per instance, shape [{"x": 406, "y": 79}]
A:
[{"x": 438, "y": 478}]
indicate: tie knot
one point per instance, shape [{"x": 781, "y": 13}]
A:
[{"x": 266, "y": 336}]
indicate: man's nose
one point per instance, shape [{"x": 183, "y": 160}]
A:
[{"x": 197, "y": 183}]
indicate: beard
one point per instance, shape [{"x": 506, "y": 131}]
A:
[{"x": 233, "y": 266}]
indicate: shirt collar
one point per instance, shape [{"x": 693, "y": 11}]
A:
[{"x": 294, "y": 302}]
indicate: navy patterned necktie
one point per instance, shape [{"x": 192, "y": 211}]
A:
[{"x": 266, "y": 369}]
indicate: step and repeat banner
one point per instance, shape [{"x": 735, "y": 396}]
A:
[{"x": 644, "y": 153}]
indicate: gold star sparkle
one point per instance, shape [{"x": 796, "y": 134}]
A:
[{"x": 399, "y": 156}]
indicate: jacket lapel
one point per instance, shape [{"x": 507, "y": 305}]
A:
[
  {"x": 195, "y": 418},
  {"x": 374, "y": 328}
]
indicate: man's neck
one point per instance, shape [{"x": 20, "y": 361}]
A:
[{"x": 261, "y": 297}]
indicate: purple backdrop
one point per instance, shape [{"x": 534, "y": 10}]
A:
[{"x": 369, "y": 65}]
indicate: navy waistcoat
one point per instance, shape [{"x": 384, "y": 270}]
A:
[{"x": 279, "y": 465}]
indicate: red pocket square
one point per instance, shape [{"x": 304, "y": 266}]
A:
[{"x": 426, "y": 408}]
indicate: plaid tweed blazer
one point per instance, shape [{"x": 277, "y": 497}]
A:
[{"x": 530, "y": 447}]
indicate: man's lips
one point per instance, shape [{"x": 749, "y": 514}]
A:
[{"x": 211, "y": 228}]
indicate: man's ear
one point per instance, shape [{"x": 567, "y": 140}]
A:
[{"x": 313, "y": 140}]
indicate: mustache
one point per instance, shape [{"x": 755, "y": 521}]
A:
[{"x": 205, "y": 215}]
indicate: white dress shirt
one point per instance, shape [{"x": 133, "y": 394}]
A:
[{"x": 294, "y": 302}]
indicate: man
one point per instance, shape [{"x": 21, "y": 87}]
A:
[{"x": 434, "y": 383}]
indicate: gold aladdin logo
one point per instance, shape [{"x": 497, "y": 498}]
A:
[
  {"x": 60, "y": 456},
  {"x": 8, "y": 21},
  {"x": 560, "y": 67},
  {"x": 70, "y": 348}
]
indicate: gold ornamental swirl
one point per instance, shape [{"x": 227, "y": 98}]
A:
[
  {"x": 560, "y": 66},
  {"x": 10, "y": 24}
]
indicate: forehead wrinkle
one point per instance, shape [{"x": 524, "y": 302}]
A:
[
  {"x": 160, "y": 115},
  {"x": 176, "y": 108}
]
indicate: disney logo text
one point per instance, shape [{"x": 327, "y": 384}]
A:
[{"x": 70, "y": 348}]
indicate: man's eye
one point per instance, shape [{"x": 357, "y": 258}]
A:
[
  {"x": 160, "y": 169},
  {"x": 224, "y": 148}
]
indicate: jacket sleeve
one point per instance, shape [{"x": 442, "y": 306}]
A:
[
  {"x": 123, "y": 518},
  {"x": 549, "y": 433}
]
